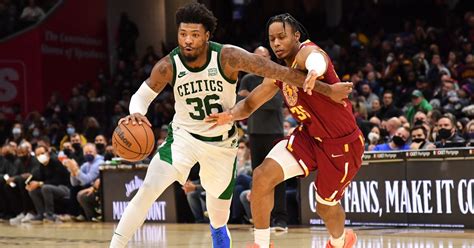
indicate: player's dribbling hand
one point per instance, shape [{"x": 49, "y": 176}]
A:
[
  {"x": 135, "y": 118},
  {"x": 219, "y": 118},
  {"x": 340, "y": 91}
]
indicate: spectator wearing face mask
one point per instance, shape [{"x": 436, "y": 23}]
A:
[
  {"x": 398, "y": 142},
  {"x": 109, "y": 153},
  {"x": 77, "y": 145},
  {"x": 389, "y": 128},
  {"x": 83, "y": 176},
  {"x": 373, "y": 138},
  {"x": 17, "y": 135},
  {"x": 26, "y": 164},
  {"x": 447, "y": 135},
  {"x": 420, "y": 118},
  {"x": 50, "y": 182},
  {"x": 469, "y": 134},
  {"x": 419, "y": 138},
  {"x": 100, "y": 144},
  {"x": 70, "y": 132}
]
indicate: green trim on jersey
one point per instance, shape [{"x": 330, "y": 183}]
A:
[
  {"x": 218, "y": 47},
  {"x": 174, "y": 69},
  {"x": 165, "y": 151},
  {"x": 227, "y": 194}
]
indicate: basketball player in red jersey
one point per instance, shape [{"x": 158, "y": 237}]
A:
[{"x": 327, "y": 138}]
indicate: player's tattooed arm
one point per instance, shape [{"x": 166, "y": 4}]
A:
[
  {"x": 235, "y": 59},
  {"x": 161, "y": 75}
]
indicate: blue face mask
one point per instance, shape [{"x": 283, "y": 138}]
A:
[
  {"x": 89, "y": 157},
  {"x": 70, "y": 130}
]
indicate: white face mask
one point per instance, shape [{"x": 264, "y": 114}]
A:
[
  {"x": 43, "y": 159},
  {"x": 373, "y": 137}
]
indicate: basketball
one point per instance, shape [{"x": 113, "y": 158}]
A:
[{"x": 133, "y": 142}]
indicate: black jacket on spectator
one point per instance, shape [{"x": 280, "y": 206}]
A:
[
  {"x": 26, "y": 164},
  {"x": 453, "y": 141},
  {"x": 7, "y": 166},
  {"x": 54, "y": 173}
]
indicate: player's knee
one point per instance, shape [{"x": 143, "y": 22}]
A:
[
  {"x": 264, "y": 179},
  {"x": 328, "y": 211}
]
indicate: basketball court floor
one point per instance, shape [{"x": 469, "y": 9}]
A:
[{"x": 197, "y": 235}]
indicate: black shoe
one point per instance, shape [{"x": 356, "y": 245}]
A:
[
  {"x": 279, "y": 226},
  {"x": 49, "y": 218},
  {"x": 38, "y": 219}
]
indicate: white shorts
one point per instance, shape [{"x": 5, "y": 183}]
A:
[
  {"x": 217, "y": 160},
  {"x": 287, "y": 162}
]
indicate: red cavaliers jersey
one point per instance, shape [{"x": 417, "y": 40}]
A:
[{"x": 321, "y": 116}]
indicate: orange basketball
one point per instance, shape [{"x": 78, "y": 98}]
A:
[{"x": 133, "y": 142}]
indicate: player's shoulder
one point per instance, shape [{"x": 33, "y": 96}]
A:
[
  {"x": 308, "y": 45},
  {"x": 164, "y": 63},
  {"x": 163, "y": 68},
  {"x": 231, "y": 51}
]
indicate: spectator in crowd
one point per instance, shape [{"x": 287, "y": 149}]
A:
[
  {"x": 76, "y": 143},
  {"x": 399, "y": 141},
  {"x": 100, "y": 143},
  {"x": 447, "y": 133},
  {"x": 369, "y": 96},
  {"x": 375, "y": 108},
  {"x": 88, "y": 198},
  {"x": 17, "y": 134},
  {"x": 195, "y": 195},
  {"x": 50, "y": 182},
  {"x": 242, "y": 181},
  {"x": 419, "y": 103},
  {"x": 420, "y": 118},
  {"x": 419, "y": 138},
  {"x": 245, "y": 198},
  {"x": 109, "y": 153},
  {"x": 389, "y": 128},
  {"x": 469, "y": 134},
  {"x": 373, "y": 138},
  {"x": 388, "y": 110},
  {"x": 8, "y": 203},
  {"x": 26, "y": 163},
  {"x": 32, "y": 13},
  {"x": 92, "y": 128},
  {"x": 70, "y": 131},
  {"x": 83, "y": 176}
]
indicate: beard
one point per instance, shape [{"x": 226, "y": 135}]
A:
[{"x": 189, "y": 58}]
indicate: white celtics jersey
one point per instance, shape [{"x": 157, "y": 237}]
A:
[{"x": 201, "y": 91}]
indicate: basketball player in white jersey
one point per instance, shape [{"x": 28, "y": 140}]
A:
[{"x": 203, "y": 75}]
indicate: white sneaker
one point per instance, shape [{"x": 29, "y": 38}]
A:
[
  {"x": 17, "y": 219},
  {"x": 27, "y": 218}
]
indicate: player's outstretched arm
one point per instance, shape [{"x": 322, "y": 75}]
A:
[
  {"x": 161, "y": 75},
  {"x": 235, "y": 59},
  {"x": 243, "y": 109}
]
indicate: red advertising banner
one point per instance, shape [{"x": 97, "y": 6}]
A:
[{"x": 69, "y": 47}]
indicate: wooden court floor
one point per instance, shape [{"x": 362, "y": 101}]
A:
[{"x": 197, "y": 235}]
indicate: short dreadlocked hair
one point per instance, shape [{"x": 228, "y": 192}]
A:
[
  {"x": 195, "y": 12},
  {"x": 290, "y": 20}
]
